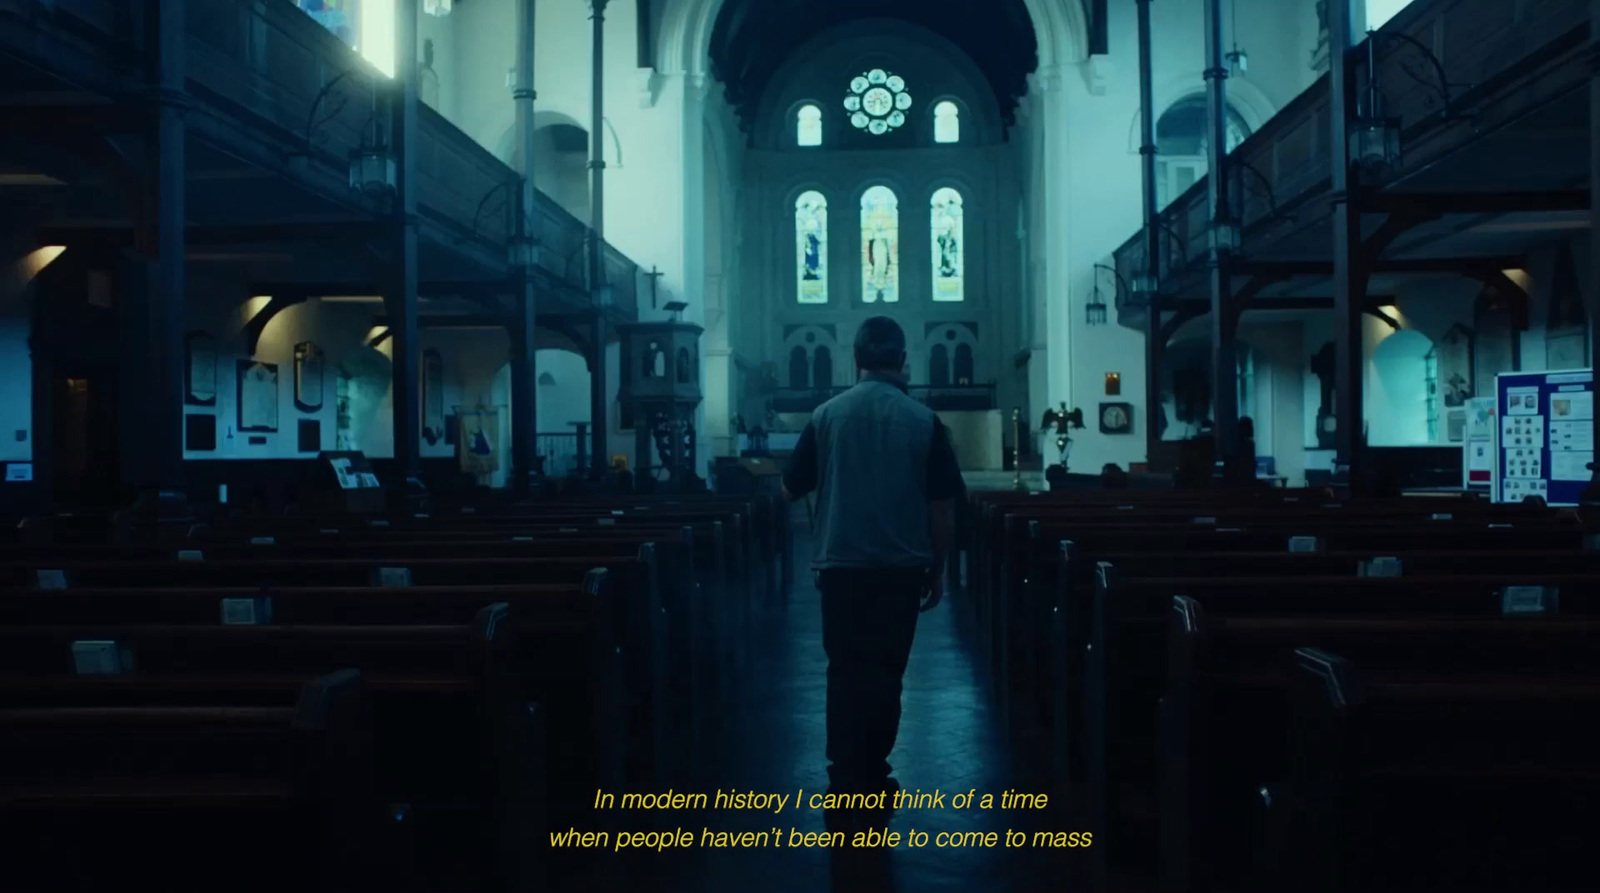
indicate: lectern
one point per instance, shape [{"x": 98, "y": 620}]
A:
[{"x": 661, "y": 388}]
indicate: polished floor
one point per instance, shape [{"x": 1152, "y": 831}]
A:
[{"x": 950, "y": 741}]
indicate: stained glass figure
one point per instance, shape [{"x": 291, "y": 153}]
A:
[
  {"x": 811, "y": 248},
  {"x": 948, "y": 267},
  {"x": 880, "y": 246}
]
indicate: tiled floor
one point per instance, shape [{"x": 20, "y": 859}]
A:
[{"x": 949, "y": 740}]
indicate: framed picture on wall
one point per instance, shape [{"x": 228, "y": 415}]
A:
[
  {"x": 308, "y": 377},
  {"x": 257, "y": 396},
  {"x": 200, "y": 369}
]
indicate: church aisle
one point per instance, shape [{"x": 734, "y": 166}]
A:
[{"x": 949, "y": 740}]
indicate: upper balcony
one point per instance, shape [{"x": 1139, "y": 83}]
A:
[
  {"x": 277, "y": 106},
  {"x": 1489, "y": 174}
]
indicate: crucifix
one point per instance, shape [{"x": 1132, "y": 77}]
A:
[{"x": 655, "y": 278}]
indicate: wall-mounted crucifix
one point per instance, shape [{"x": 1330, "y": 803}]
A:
[{"x": 655, "y": 278}]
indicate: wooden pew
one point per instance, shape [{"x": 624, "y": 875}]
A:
[
  {"x": 1406, "y": 784},
  {"x": 127, "y": 788},
  {"x": 1125, "y": 665},
  {"x": 1225, "y": 713}
]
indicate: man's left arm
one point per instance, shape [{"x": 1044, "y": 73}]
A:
[{"x": 800, "y": 478}]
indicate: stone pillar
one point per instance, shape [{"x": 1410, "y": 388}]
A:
[
  {"x": 1590, "y": 500},
  {"x": 155, "y": 465},
  {"x": 1224, "y": 229},
  {"x": 405, "y": 333},
  {"x": 1349, "y": 274},
  {"x": 1152, "y": 234},
  {"x": 717, "y": 405},
  {"x": 524, "y": 351},
  {"x": 1054, "y": 246},
  {"x": 599, "y": 417}
]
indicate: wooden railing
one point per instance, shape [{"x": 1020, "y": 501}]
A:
[
  {"x": 1487, "y": 49},
  {"x": 296, "y": 100}
]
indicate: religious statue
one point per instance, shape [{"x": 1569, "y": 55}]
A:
[{"x": 1062, "y": 421}]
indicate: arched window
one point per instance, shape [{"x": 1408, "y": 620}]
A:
[
  {"x": 799, "y": 368},
  {"x": 880, "y": 246},
  {"x": 946, "y": 123},
  {"x": 963, "y": 364},
  {"x": 948, "y": 238},
  {"x": 822, "y": 369},
  {"x": 1182, "y": 144},
  {"x": 811, "y": 249},
  {"x": 808, "y": 126},
  {"x": 938, "y": 366}
]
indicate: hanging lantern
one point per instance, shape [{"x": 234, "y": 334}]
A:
[
  {"x": 439, "y": 8},
  {"x": 372, "y": 171}
]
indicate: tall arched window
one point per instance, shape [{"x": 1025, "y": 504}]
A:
[
  {"x": 963, "y": 364},
  {"x": 880, "y": 246},
  {"x": 808, "y": 126},
  {"x": 811, "y": 248},
  {"x": 948, "y": 243},
  {"x": 939, "y": 366},
  {"x": 822, "y": 369},
  {"x": 799, "y": 368},
  {"x": 946, "y": 123},
  {"x": 1182, "y": 144}
]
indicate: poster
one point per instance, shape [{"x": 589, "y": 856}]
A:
[{"x": 1546, "y": 435}]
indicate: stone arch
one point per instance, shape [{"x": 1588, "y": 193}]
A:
[
  {"x": 811, "y": 353},
  {"x": 1060, "y": 28},
  {"x": 944, "y": 345},
  {"x": 1243, "y": 97}
]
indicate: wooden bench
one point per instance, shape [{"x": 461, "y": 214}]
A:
[
  {"x": 1225, "y": 711},
  {"x": 1125, "y": 663},
  {"x": 128, "y": 788},
  {"x": 458, "y": 756},
  {"x": 1406, "y": 784}
]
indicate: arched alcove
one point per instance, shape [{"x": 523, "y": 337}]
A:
[
  {"x": 1399, "y": 408},
  {"x": 1182, "y": 144}
]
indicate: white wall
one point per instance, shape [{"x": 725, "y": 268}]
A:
[
  {"x": 1103, "y": 189},
  {"x": 19, "y": 264}
]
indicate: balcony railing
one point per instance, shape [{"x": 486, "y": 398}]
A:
[
  {"x": 1489, "y": 50},
  {"x": 943, "y": 397},
  {"x": 277, "y": 89}
]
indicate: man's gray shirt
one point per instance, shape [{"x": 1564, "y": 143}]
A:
[{"x": 875, "y": 457}]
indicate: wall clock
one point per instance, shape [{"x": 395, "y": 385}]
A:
[{"x": 1116, "y": 418}]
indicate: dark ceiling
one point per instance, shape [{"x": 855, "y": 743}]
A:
[{"x": 753, "y": 38}]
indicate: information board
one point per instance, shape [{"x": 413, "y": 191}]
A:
[
  {"x": 1479, "y": 439},
  {"x": 1546, "y": 427}
]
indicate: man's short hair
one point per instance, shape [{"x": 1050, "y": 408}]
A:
[{"x": 880, "y": 345}]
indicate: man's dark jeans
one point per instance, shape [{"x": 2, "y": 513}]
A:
[{"x": 868, "y": 619}]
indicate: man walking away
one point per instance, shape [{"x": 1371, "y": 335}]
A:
[{"x": 886, "y": 480}]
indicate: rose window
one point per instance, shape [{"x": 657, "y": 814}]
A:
[{"x": 877, "y": 102}]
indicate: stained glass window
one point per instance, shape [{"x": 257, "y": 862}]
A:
[
  {"x": 811, "y": 248},
  {"x": 946, "y": 123},
  {"x": 880, "y": 246},
  {"x": 948, "y": 267},
  {"x": 877, "y": 101},
  {"x": 809, "y": 126}
]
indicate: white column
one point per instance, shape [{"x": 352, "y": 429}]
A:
[
  {"x": 1052, "y": 245},
  {"x": 712, "y": 412}
]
